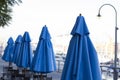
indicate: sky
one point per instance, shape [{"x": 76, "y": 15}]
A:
[{"x": 60, "y": 16}]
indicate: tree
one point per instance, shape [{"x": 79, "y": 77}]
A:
[{"x": 6, "y": 10}]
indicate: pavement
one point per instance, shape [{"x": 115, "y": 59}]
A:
[{"x": 55, "y": 75}]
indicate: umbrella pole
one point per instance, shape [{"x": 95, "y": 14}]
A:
[
  {"x": 10, "y": 64},
  {"x": 24, "y": 70},
  {"x": 41, "y": 76}
]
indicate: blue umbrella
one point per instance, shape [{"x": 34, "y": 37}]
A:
[
  {"x": 8, "y": 52},
  {"x": 25, "y": 56},
  {"x": 44, "y": 60},
  {"x": 81, "y": 61},
  {"x": 17, "y": 48}
]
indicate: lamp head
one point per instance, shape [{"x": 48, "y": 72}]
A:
[{"x": 99, "y": 15}]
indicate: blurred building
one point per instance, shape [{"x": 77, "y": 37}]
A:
[{"x": 105, "y": 50}]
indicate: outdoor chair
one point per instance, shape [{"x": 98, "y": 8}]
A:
[
  {"x": 39, "y": 76},
  {"x": 14, "y": 73},
  {"x": 22, "y": 75},
  {"x": 27, "y": 73},
  {"x": 6, "y": 74}
]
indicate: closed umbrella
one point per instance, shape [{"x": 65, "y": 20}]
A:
[
  {"x": 81, "y": 61},
  {"x": 17, "y": 48},
  {"x": 25, "y": 56},
  {"x": 44, "y": 60},
  {"x": 8, "y": 52}
]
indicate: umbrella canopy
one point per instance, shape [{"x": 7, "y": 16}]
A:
[
  {"x": 44, "y": 60},
  {"x": 17, "y": 48},
  {"x": 8, "y": 52},
  {"x": 25, "y": 56},
  {"x": 81, "y": 61}
]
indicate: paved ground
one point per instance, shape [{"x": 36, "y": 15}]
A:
[{"x": 55, "y": 75}]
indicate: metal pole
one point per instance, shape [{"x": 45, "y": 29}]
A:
[{"x": 115, "y": 75}]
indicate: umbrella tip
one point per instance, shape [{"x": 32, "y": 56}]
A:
[{"x": 80, "y": 14}]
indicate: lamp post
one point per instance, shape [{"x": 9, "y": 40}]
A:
[{"x": 115, "y": 75}]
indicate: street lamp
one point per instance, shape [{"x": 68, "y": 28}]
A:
[{"x": 116, "y": 28}]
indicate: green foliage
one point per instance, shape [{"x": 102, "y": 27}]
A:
[
  {"x": 13, "y": 2},
  {"x": 6, "y": 10}
]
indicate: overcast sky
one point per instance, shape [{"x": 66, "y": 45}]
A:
[{"x": 60, "y": 17}]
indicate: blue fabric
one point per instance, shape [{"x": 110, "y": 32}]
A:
[
  {"x": 82, "y": 30},
  {"x": 25, "y": 56},
  {"x": 8, "y": 52},
  {"x": 44, "y": 60},
  {"x": 45, "y": 33},
  {"x": 81, "y": 61},
  {"x": 17, "y": 48}
]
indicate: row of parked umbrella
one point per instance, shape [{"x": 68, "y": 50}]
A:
[
  {"x": 20, "y": 53},
  {"x": 81, "y": 61}
]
